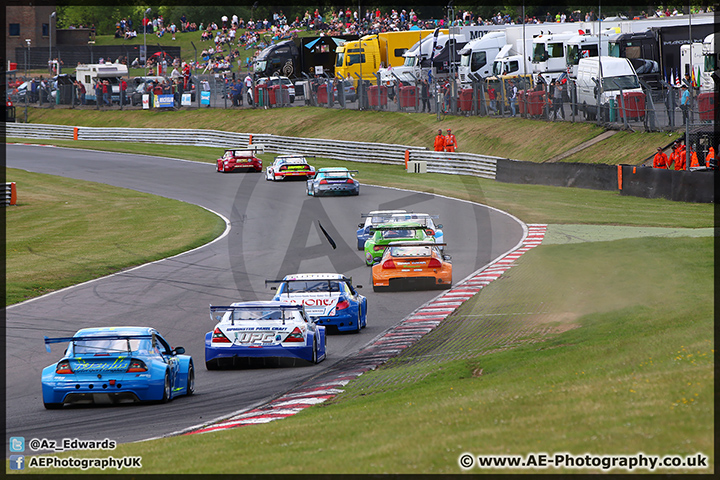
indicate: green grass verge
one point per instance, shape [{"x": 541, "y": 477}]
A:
[
  {"x": 629, "y": 369},
  {"x": 516, "y": 138},
  {"x": 63, "y": 232},
  {"x": 530, "y": 203}
]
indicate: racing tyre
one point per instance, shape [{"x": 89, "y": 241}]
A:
[
  {"x": 191, "y": 380},
  {"x": 212, "y": 365},
  {"x": 267, "y": 177},
  {"x": 52, "y": 406},
  {"x": 166, "y": 389},
  {"x": 315, "y": 350}
]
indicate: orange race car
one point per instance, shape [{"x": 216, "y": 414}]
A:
[{"x": 412, "y": 266}]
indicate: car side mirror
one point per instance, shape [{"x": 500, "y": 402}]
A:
[
  {"x": 273, "y": 288},
  {"x": 360, "y": 225},
  {"x": 358, "y": 286},
  {"x": 376, "y": 261},
  {"x": 439, "y": 225},
  {"x": 447, "y": 257},
  {"x": 178, "y": 351}
]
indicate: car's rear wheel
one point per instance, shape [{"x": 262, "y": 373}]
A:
[
  {"x": 315, "y": 350},
  {"x": 359, "y": 320},
  {"x": 52, "y": 406},
  {"x": 191, "y": 380},
  {"x": 166, "y": 389}
]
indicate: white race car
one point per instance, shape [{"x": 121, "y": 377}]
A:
[
  {"x": 289, "y": 166},
  {"x": 246, "y": 330},
  {"x": 329, "y": 299},
  {"x": 433, "y": 229}
]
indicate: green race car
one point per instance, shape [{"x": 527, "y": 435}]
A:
[{"x": 381, "y": 235}]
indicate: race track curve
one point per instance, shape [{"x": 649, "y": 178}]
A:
[{"x": 273, "y": 232}]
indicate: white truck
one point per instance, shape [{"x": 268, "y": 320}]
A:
[
  {"x": 477, "y": 56},
  {"x": 585, "y": 45},
  {"x": 710, "y": 64},
  {"x": 86, "y": 74},
  {"x": 418, "y": 58},
  {"x": 515, "y": 57},
  {"x": 604, "y": 76},
  {"x": 548, "y": 55}
]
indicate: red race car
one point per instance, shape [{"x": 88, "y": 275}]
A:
[{"x": 246, "y": 158}]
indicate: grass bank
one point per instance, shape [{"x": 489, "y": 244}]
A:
[
  {"x": 63, "y": 232},
  {"x": 514, "y": 138}
]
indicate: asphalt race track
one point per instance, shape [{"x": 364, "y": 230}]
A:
[{"x": 274, "y": 232}]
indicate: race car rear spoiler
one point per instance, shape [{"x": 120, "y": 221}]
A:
[
  {"x": 387, "y": 226},
  {"x": 95, "y": 337},
  {"x": 416, "y": 244},
  {"x": 255, "y": 148},
  {"x": 387, "y": 213}
]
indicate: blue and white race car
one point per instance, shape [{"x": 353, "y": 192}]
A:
[
  {"x": 266, "y": 330},
  {"x": 433, "y": 229},
  {"x": 333, "y": 181},
  {"x": 329, "y": 298},
  {"x": 117, "y": 365},
  {"x": 376, "y": 217}
]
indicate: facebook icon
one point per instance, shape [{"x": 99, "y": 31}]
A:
[{"x": 17, "y": 462}]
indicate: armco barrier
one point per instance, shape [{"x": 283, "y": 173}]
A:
[{"x": 438, "y": 162}]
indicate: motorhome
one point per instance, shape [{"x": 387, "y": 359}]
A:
[
  {"x": 600, "y": 80},
  {"x": 691, "y": 59},
  {"x": 86, "y": 74}
]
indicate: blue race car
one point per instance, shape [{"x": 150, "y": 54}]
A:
[
  {"x": 329, "y": 299},
  {"x": 267, "y": 329},
  {"x": 376, "y": 217},
  {"x": 333, "y": 181},
  {"x": 117, "y": 365}
]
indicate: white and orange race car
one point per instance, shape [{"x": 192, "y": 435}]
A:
[
  {"x": 412, "y": 266},
  {"x": 289, "y": 166}
]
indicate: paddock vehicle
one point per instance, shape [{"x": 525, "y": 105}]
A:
[{"x": 114, "y": 365}]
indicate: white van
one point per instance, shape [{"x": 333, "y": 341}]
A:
[
  {"x": 617, "y": 74},
  {"x": 86, "y": 74}
]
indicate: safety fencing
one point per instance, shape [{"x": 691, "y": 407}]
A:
[
  {"x": 366, "y": 152},
  {"x": 10, "y": 194}
]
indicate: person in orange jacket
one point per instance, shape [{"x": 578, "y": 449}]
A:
[
  {"x": 694, "y": 162},
  {"x": 710, "y": 158},
  {"x": 660, "y": 160},
  {"x": 440, "y": 142},
  {"x": 450, "y": 142},
  {"x": 680, "y": 159}
]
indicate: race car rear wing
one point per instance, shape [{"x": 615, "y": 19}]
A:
[
  {"x": 254, "y": 149},
  {"x": 416, "y": 244},
  {"x": 387, "y": 226},
  {"x": 385, "y": 213},
  {"x": 88, "y": 338}
]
